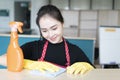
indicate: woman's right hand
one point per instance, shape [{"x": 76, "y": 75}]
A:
[{"x": 40, "y": 65}]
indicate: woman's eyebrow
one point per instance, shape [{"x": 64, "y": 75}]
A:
[
  {"x": 50, "y": 27},
  {"x": 53, "y": 26}
]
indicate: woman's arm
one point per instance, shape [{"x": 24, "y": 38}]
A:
[{"x": 3, "y": 60}]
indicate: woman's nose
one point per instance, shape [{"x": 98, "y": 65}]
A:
[{"x": 50, "y": 33}]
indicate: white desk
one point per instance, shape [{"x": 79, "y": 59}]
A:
[{"x": 97, "y": 74}]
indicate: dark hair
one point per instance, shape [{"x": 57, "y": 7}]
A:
[{"x": 50, "y": 10}]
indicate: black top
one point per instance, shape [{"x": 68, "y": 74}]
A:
[{"x": 55, "y": 52}]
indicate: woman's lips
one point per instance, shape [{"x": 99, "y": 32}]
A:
[{"x": 53, "y": 38}]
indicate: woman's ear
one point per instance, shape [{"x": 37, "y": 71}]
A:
[
  {"x": 62, "y": 24},
  {"x": 40, "y": 33}
]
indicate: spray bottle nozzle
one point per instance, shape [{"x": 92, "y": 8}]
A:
[{"x": 17, "y": 25}]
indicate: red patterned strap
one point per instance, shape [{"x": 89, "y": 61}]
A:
[
  {"x": 67, "y": 53},
  {"x": 66, "y": 50},
  {"x": 44, "y": 51}
]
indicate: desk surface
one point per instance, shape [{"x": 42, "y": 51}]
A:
[{"x": 97, "y": 74}]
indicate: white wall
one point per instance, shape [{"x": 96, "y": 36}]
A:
[
  {"x": 36, "y": 4},
  {"x": 8, "y": 5}
]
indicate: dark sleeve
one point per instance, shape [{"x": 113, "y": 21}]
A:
[
  {"x": 32, "y": 50},
  {"x": 27, "y": 50}
]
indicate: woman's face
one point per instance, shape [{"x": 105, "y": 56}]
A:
[{"x": 51, "y": 29}]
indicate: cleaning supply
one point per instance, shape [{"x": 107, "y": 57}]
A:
[{"x": 15, "y": 59}]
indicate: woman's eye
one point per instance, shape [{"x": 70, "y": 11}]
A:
[{"x": 54, "y": 28}]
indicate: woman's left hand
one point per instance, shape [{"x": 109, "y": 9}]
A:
[{"x": 79, "y": 68}]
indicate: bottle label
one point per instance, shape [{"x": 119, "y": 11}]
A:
[{"x": 14, "y": 28}]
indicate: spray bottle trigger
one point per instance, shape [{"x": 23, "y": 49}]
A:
[
  {"x": 20, "y": 29},
  {"x": 17, "y": 25}
]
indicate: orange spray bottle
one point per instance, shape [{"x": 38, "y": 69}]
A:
[{"x": 15, "y": 57}]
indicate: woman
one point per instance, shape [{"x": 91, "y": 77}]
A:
[{"x": 53, "y": 47}]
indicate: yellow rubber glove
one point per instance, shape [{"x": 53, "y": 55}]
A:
[
  {"x": 79, "y": 68},
  {"x": 40, "y": 65}
]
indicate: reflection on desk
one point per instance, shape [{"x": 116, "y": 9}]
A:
[{"x": 97, "y": 74}]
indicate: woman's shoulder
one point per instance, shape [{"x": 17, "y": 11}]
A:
[{"x": 72, "y": 45}]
